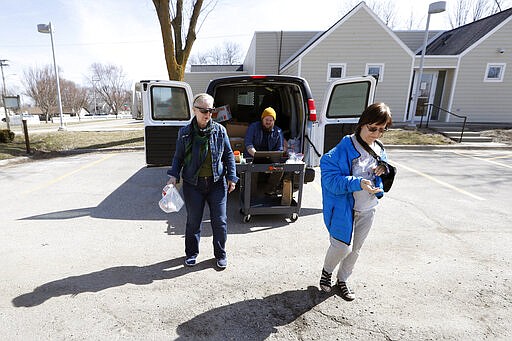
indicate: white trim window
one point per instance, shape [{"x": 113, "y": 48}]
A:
[
  {"x": 494, "y": 72},
  {"x": 335, "y": 71},
  {"x": 376, "y": 70}
]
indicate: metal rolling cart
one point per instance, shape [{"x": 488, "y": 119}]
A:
[{"x": 288, "y": 203}]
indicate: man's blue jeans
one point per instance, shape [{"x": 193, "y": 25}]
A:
[{"x": 215, "y": 194}]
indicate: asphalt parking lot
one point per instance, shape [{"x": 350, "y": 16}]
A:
[{"x": 87, "y": 254}]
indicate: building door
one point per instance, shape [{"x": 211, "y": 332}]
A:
[{"x": 427, "y": 93}]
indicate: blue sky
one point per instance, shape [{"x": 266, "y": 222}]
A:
[{"x": 127, "y": 33}]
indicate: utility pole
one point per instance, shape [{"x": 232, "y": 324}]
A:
[
  {"x": 7, "y": 120},
  {"x": 43, "y": 28},
  {"x": 94, "y": 80}
]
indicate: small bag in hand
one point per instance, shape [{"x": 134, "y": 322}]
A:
[
  {"x": 387, "y": 178},
  {"x": 171, "y": 199}
]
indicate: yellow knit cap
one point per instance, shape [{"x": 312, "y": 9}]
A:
[{"x": 269, "y": 112}]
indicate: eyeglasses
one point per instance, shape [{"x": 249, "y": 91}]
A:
[
  {"x": 205, "y": 110},
  {"x": 374, "y": 129}
]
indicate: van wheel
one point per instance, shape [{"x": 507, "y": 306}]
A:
[{"x": 294, "y": 217}]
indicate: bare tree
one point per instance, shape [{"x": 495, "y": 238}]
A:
[
  {"x": 178, "y": 21},
  {"x": 232, "y": 53},
  {"x": 459, "y": 13},
  {"x": 111, "y": 85},
  {"x": 198, "y": 59},
  {"x": 413, "y": 23},
  {"x": 479, "y": 9},
  {"x": 73, "y": 96},
  {"x": 385, "y": 10},
  {"x": 496, "y": 6},
  {"x": 39, "y": 84},
  {"x": 229, "y": 53},
  {"x": 466, "y": 11}
]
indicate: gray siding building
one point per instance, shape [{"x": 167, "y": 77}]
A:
[{"x": 465, "y": 69}]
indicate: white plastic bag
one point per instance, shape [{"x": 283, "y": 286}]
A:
[{"x": 171, "y": 199}]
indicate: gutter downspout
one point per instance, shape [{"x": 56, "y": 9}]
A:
[{"x": 279, "y": 56}]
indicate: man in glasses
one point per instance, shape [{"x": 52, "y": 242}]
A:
[{"x": 205, "y": 161}]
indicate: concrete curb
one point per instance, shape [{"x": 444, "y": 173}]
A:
[
  {"x": 466, "y": 146},
  {"x": 21, "y": 159}
]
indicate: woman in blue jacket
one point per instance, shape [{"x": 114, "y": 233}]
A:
[
  {"x": 206, "y": 162},
  {"x": 348, "y": 194}
]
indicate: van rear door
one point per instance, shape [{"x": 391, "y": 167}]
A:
[
  {"x": 345, "y": 100},
  {"x": 166, "y": 106}
]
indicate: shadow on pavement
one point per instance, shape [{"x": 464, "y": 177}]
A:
[
  {"x": 137, "y": 199},
  {"x": 254, "y": 319},
  {"x": 109, "y": 278}
]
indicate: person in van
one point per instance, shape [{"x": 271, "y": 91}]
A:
[
  {"x": 349, "y": 194},
  {"x": 205, "y": 160},
  {"x": 264, "y": 135}
]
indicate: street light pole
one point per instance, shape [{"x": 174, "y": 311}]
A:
[
  {"x": 94, "y": 80},
  {"x": 435, "y": 7},
  {"x": 43, "y": 28},
  {"x": 7, "y": 121}
]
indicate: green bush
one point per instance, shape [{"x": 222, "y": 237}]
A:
[{"x": 6, "y": 136}]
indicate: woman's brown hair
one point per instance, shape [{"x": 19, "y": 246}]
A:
[{"x": 377, "y": 113}]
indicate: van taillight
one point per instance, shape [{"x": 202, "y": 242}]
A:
[
  {"x": 312, "y": 110},
  {"x": 258, "y": 76}
]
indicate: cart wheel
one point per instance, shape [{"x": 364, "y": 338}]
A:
[
  {"x": 294, "y": 217},
  {"x": 247, "y": 218}
]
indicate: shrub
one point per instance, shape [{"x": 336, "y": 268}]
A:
[{"x": 6, "y": 136}]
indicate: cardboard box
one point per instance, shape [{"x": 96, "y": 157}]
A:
[
  {"x": 237, "y": 143},
  {"x": 286, "y": 200},
  {"x": 236, "y": 129},
  {"x": 222, "y": 114}
]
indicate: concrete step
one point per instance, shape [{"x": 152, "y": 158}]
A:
[
  {"x": 457, "y": 133},
  {"x": 478, "y": 139},
  {"x": 467, "y": 137}
]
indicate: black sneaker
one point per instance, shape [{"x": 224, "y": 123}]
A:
[
  {"x": 346, "y": 293},
  {"x": 222, "y": 263},
  {"x": 325, "y": 281},
  {"x": 190, "y": 261}
]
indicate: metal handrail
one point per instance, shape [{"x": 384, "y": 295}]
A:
[{"x": 429, "y": 111}]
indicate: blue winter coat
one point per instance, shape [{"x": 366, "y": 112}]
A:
[
  {"x": 338, "y": 184},
  {"x": 223, "y": 160}
]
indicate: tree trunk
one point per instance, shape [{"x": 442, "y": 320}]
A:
[{"x": 176, "y": 55}]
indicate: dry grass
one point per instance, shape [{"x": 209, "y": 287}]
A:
[
  {"x": 499, "y": 135},
  {"x": 55, "y": 143},
  {"x": 44, "y": 145},
  {"x": 414, "y": 137}
]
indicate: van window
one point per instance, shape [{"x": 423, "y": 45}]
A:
[
  {"x": 169, "y": 103},
  {"x": 245, "y": 98},
  {"x": 348, "y": 100}
]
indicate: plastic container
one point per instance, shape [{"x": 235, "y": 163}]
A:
[{"x": 237, "y": 156}]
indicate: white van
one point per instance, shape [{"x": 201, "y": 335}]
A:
[{"x": 167, "y": 106}]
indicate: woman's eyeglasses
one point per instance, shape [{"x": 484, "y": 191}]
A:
[
  {"x": 205, "y": 110},
  {"x": 374, "y": 129}
]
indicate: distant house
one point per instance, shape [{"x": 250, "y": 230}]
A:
[
  {"x": 464, "y": 71},
  {"x": 65, "y": 111}
]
